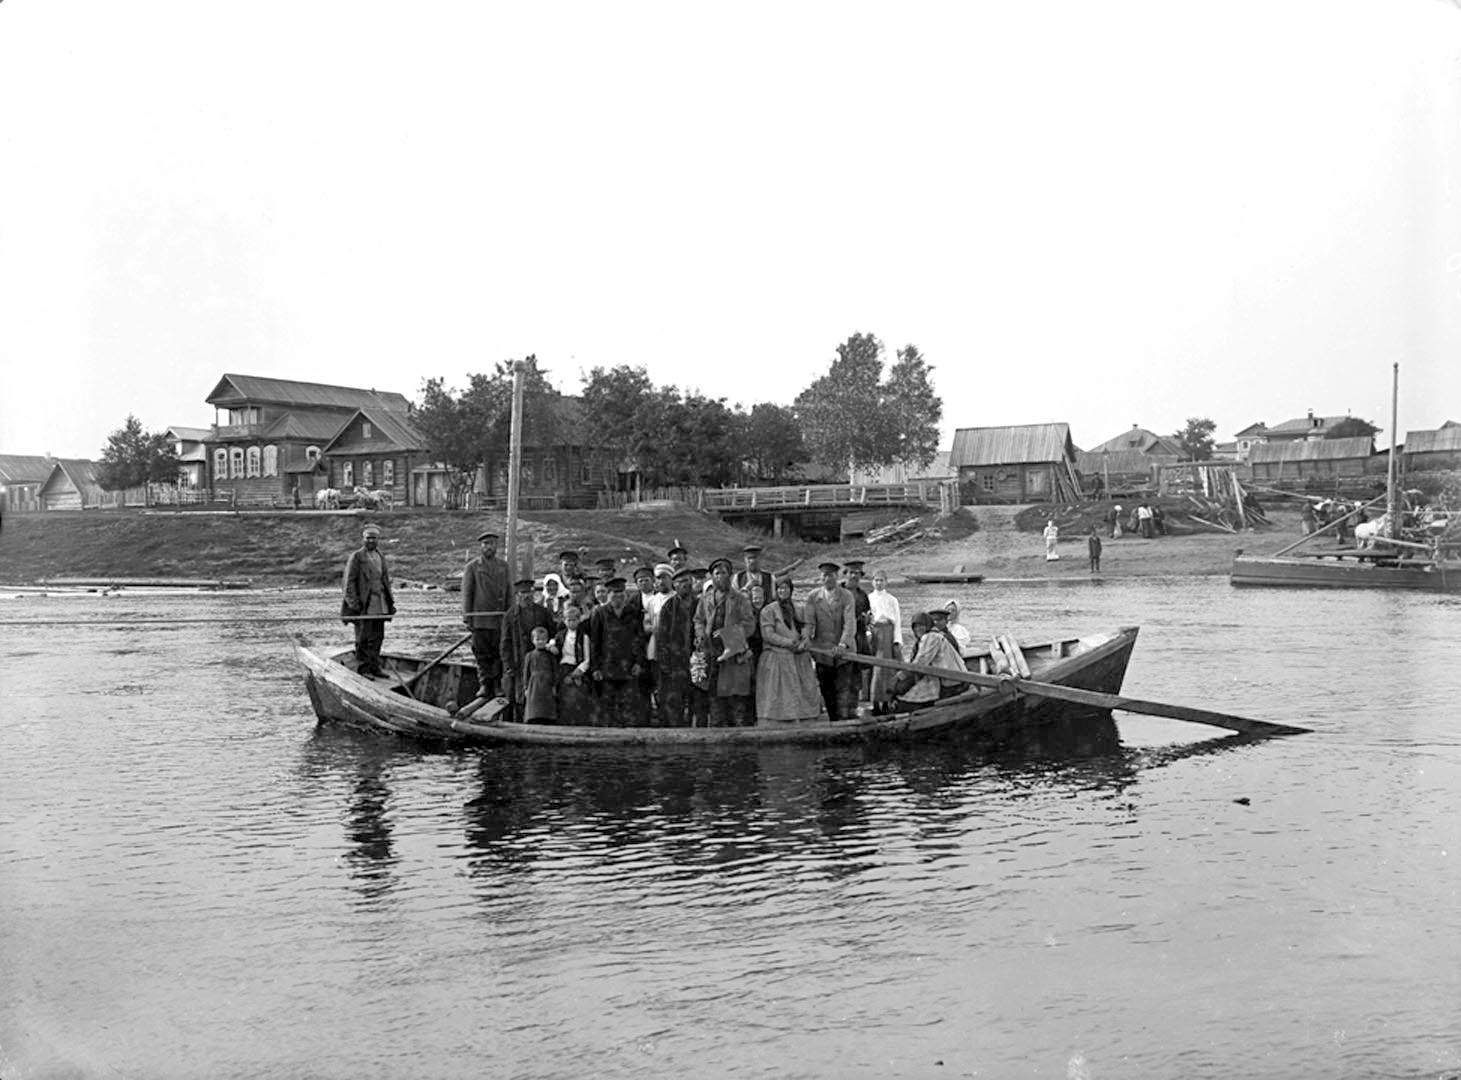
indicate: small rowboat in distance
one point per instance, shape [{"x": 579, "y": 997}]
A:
[
  {"x": 1096, "y": 662},
  {"x": 945, "y": 579}
]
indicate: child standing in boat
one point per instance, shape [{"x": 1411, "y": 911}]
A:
[{"x": 540, "y": 700}]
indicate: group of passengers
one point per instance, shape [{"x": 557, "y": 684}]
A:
[{"x": 697, "y": 646}]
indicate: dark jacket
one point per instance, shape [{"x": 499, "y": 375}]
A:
[
  {"x": 357, "y": 589},
  {"x": 616, "y": 641},
  {"x": 485, "y": 588}
]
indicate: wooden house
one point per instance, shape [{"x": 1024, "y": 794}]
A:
[
  {"x": 559, "y": 469},
  {"x": 1431, "y": 451},
  {"x": 275, "y": 434},
  {"x": 71, "y": 485},
  {"x": 376, "y": 449},
  {"x": 1254, "y": 434},
  {"x": 21, "y": 477},
  {"x": 1020, "y": 464},
  {"x": 187, "y": 443},
  {"x": 1317, "y": 459},
  {"x": 1126, "y": 462}
]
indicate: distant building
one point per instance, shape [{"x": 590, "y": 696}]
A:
[
  {"x": 276, "y": 432},
  {"x": 1431, "y": 450},
  {"x": 1129, "y": 460},
  {"x": 1251, "y": 436},
  {"x": 1316, "y": 459},
  {"x": 902, "y": 472},
  {"x": 21, "y": 477},
  {"x": 1022, "y": 463},
  {"x": 188, "y": 444},
  {"x": 71, "y": 485},
  {"x": 375, "y": 449}
]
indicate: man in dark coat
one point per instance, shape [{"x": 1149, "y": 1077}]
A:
[
  {"x": 517, "y": 640},
  {"x": 833, "y": 621},
  {"x": 862, "y": 609},
  {"x": 485, "y": 589},
  {"x": 616, "y": 658},
  {"x": 368, "y": 601},
  {"x": 681, "y": 702}
]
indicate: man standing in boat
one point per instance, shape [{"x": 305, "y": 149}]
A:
[
  {"x": 832, "y": 617},
  {"x": 368, "y": 601},
  {"x": 681, "y": 702},
  {"x": 862, "y": 610},
  {"x": 485, "y": 592},
  {"x": 723, "y": 625},
  {"x": 616, "y": 657}
]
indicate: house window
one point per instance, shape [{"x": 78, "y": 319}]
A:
[
  {"x": 253, "y": 461},
  {"x": 365, "y": 429},
  {"x": 271, "y": 461},
  {"x": 235, "y": 462},
  {"x": 367, "y": 473},
  {"x": 311, "y": 454},
  {"x": 986, "y": 481},
  {"x": 220, "y": 464},
  {"x": 347, "y": 474},
  {"x": 388, "y": 473},
  {"x": 550, "y": 471}
]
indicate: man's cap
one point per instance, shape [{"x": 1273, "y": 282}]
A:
[
  {"x": 370, "y": 530},
  {"x": 676, "y": 549},
  {"x": 921, "y": 619},
  {"x": 700, "y": 571},
  {"x": 752, "y": 549},
  {"x": 488, "y": 535},
  {"x": 606, "y": 563},
  {"x": 615, "y": 584},
  {"x": 686, "y": 572},
  {"x": 854, "y": 564},
  {"x": 937, "y": 613},
  {"x": 643, "y": 571},
  {"x": 828, "y": 567},
  {"x": 522, "y": 584},
  {"x": 572, "y": 556},
  {"x": 720, "y": 562}
]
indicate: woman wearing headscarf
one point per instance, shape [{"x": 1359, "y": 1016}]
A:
[
  {"x": 786, "y": 682},
  {"x": 935, "y": 651},
  {"x": 961, "y": 634}
]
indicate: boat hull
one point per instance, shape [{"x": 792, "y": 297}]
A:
[
  {"x": 1298, "y": 571},
  {"x": 340, "y": 696}
]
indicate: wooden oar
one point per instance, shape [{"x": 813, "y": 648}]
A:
[
  {"x": 406, "y": 684},
  {"x": 1016, "y": 686}
]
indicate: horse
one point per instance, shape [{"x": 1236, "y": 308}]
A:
[
  {"x": 1366, "y": 533},
  {"x": 327, "y": 499},
  {"x": 383, "y": 498}
]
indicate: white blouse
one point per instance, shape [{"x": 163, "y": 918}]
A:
[{"x": 884, "y": 608}]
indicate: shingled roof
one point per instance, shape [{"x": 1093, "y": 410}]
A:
[
  {"x": 395, "y": 432},
  {"x": 235, "y": 390},
  {"x": 24, "y": 468},
  {"x": 1139, "y": 439},
  {"x": 1445, "y": 439},
  {"x": 1015, "y": 445}
]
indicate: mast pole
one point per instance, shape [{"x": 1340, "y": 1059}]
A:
[
  {"x": 514, "y": 465},
  {"x": 1393, "y": 527}
]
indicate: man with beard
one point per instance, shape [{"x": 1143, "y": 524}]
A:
[
  {"x": 517, "y": 640},
  {"x": 681, "y": 702},
  {"x": 616, "y": 657},
  {"x": 485, "y": 592}
]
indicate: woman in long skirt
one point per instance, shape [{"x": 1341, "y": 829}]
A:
[
  {"x": 786, "y": 683},
  {"x": 887, "y": 640}
]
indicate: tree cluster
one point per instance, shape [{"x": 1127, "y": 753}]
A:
[{"x": 134, "y": 457}]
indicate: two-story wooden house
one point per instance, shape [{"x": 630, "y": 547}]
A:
[
  {"x": 270, "y": 435},
  {"x": 376, "y": 449}
]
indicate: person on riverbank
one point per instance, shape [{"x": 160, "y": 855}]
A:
[
  {"x": 616, "y": 658},
  {"x": 833, "y": 621},
  {"x": 1093, "y": 545},
  {"x": 368, "y": 601},
  {"x": 1052, "y": 535},
  {"x": 1144, "y": 521},
  {"x": 485, "y": 593},
  {"x": 1307, "y": 521},
  {"x": 1115, "y": 520},
  {"x": 681, "y": 702},
  {"x": 786, "y": 679},
  {"x": 885, "y": 618},
  {"x": 522, "y": 617},
  {"x": 723, "y": 624}
]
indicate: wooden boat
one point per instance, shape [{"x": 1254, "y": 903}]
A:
[
  {"x": 945, "y": 579},
  {"x": 339, "y": 695}
]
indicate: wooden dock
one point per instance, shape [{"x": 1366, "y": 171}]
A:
[{"x": 771, "y": 500}]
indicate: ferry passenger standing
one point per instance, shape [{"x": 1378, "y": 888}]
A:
[
  {"x": 576, "y": 701},
  {"x": 786, "y": 682},
  {"x": 368, "y": 601},
  {"x": 485, "y": 589},
  {"x": 616, "y": 657},
  {"x": 517, "y": 639},
  {"x": 723, "y": 624},
  {"x": 886, "y": 617},
  {"x": 861, "y": 635},
  {"x": 681, "y": 702},
  {"x": 540, "y": 697},
  {"x": 833, "y": 620}
]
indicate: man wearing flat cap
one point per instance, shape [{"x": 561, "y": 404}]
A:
[
  {"x": 517, "y": 640},
  {"x": 862, "y": 608},
  {"x": 485, "y": 593},
  {"x": 368, "y": 601},
  {"x": 723, "y": 624},
  {"x": 832, "y": 618},
  {"x": 752, "y": 574},
  {"x": 616, "y": 657},
  {"x": 681, "y": 702}
]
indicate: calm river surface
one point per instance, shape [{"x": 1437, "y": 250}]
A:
[{"x": 195, "y": 881}]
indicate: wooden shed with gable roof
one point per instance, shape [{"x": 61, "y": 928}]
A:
[
  {"x": 1438, "y": 449},
  {"x": 1316, "y": 459},
  {"x": 72, "y": 485},
  {"x": 21, "y": 477},
  {"x": 1024, "y": 463}
]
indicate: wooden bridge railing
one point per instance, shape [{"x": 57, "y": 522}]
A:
[{"x": 825, "y": 496}]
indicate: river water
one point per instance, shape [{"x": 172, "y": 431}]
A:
[{"x": 198, "y": 881}]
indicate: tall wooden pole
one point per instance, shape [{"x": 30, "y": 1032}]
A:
[
  {"x": 514, "y": 465},
  {"x": 1392, "y": 529}
]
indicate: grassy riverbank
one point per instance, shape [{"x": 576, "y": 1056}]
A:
[{"x": 287, "y": 549}]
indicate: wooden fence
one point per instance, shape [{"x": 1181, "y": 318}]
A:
[{"x": 941, "y": 493}]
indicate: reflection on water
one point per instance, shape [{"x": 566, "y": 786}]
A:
[{"x": 198, "y": 881}]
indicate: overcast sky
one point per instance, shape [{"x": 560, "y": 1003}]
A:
[{"x": 1098, "y": 213}]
